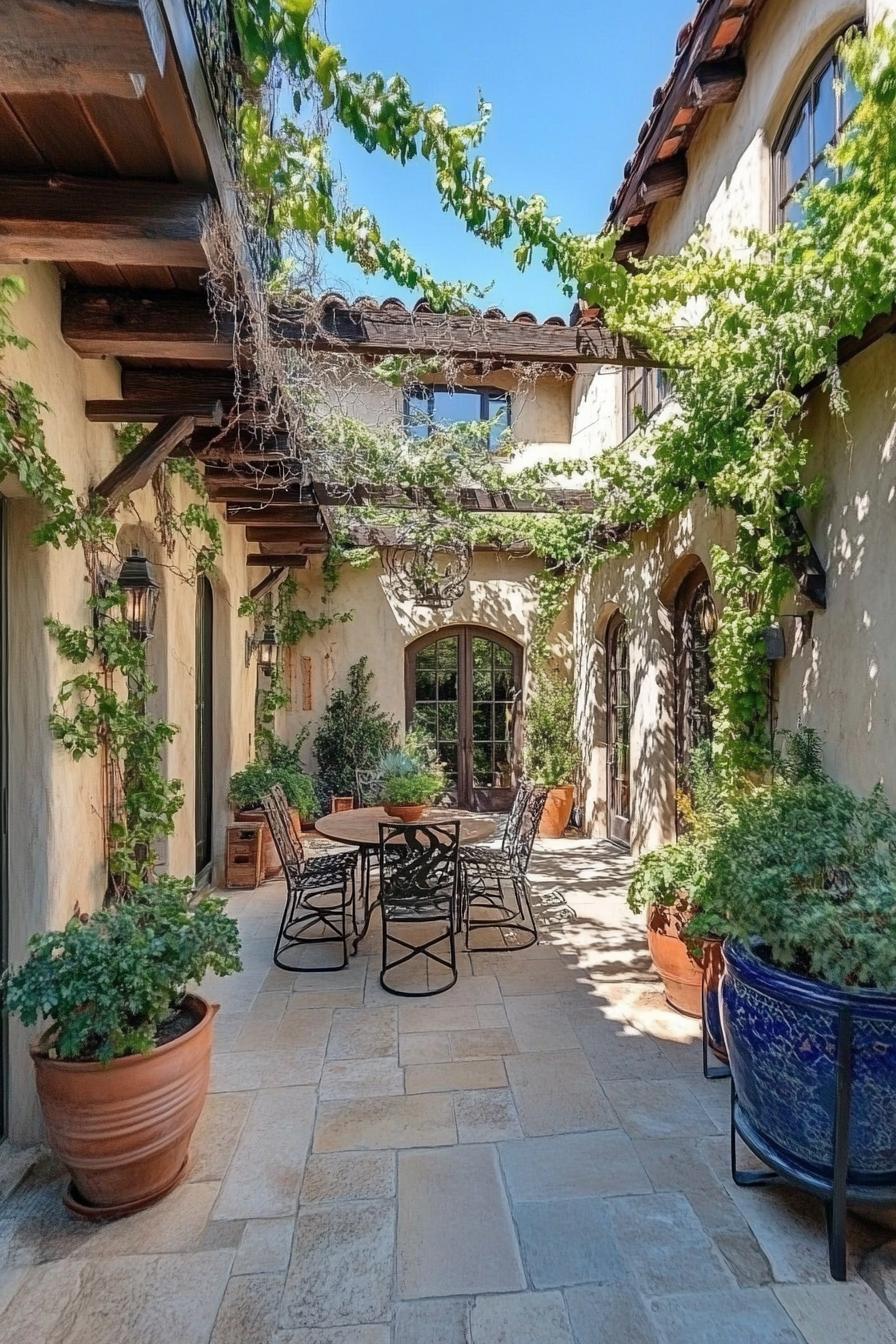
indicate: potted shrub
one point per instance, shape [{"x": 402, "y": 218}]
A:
[
  {"x": 122, "y": 1066},
  {"x": 552, "y": 752},
  {"x": 805, "y": 872},
  {"x": 408, "y": 784},
  {"x": 249, "y": 785},
  {"x": 354, "y": 733},
  {"x": 668, "y": 885}
]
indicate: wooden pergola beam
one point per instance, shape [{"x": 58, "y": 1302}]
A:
[
  {"x": 333, "y": 495},
  {"x": 267, "y": 584},
  {"x": 137, "y": 468},
  {"x": 632, "y": 243},
  {"x": 134, "y": 412},
  {"x": 272, "y": 515},
  {"x": 283, "y": 536},
  {"x": 145, "y": 383},
  {"x": 81, "y": 47},
  {"x": 289, "y": 560},
  {"x": 248, "y": 493},
  {"x": 664, "y": 180},
  {"x": 100, "y": 323},
  {"x": 105, "y": 221},
  {"x": 716, "y": 83}
]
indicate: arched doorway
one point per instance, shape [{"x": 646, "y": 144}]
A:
[
  {"x": 463, "y": 687},
  {"x": 695, "y": 624},
  {"x": 204, "y": 727},
  {"x": 618, "y": 731}
]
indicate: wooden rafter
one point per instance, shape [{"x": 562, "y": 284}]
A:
[
  {"x": 134, "y": 412},
  {"x": 289, "y": 560},
  {"x": 260, "y": 512},
  {"x": 716, "y": 83},
  {"x": 81, "y": 47},
  {"x": 268, "y": 583},
  {"x": 467, "y": 498},
  {"x": 137, "y": 468},
  {"x": 108, "y": 222},
  {"x": 113, "y": 322}
]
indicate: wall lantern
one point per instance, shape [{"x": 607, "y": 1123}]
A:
[
  {"x": 140, "y": 595},
  {"x": 775, "y": 645},
  {"x": 268, "y": 647}
]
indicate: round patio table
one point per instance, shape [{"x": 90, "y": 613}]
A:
[{"x": 361, "y": 826}]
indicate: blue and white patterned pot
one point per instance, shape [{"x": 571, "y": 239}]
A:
[{"x": 781, "y": 1034}]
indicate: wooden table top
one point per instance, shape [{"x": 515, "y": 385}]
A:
[{"x": 361, "y": 826}]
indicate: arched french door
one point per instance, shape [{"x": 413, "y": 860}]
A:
[
  {"x": 463, "y": 685},
  {"x": 695, "y": 625},
  {"x": 204, "y": 742},
  {"x": 618, "y": 731}
]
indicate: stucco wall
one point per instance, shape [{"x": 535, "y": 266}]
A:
[{"x": 56, "y": 858}]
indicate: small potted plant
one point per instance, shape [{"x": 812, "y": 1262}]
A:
[
  {"x": 408, "y": 784},
  {"x": 123, "y": 1062},
  {"x": 248, "y": 786},
  {"x": 552, "y": 752}
]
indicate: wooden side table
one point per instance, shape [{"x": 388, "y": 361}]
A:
[{"x": 244, "y": 855}]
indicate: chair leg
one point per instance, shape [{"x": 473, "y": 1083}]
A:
[
  {"x": 507, "y": 918},
  {"x": 415, "y": 950},
  {"x": 299, "y": 917}
]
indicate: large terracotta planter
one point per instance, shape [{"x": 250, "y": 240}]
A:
[
  {"x": 272, "y": 865},
  {"x": 123, "y": 1129},
  {"x": 681, "y": 971},
  {"x": 557, "y": 812},
  {"x": 404, "y": 813},
  {"x": 713, "y": 969}
]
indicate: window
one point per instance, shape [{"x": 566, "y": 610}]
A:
[
  {"x": 695, "y": 625},
  {"x": 643, "y": 392},
  {"x": 819, "y": 116},
  {"x": 426, "y": 408}
]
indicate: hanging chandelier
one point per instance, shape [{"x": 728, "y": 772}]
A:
[{"x": 428, "y": 563}]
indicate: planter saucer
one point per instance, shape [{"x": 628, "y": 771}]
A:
[{"x": 74, "y": 1203}]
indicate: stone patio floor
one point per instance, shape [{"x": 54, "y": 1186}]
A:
[{"x": 533, "y": 1158}]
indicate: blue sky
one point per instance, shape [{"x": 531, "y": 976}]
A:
[{"x": 570, "y": 83}]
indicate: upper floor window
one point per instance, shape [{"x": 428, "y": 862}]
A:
[
  {"x": 643, "y": 392},
  {"x": 428, "y": 408},
  {"x": 819, "y": 116}
]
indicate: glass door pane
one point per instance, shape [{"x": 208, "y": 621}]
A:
[{"x": 436, "y": 685}]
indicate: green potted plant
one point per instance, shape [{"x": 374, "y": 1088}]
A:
[
  {"x": 408, "y": 784},
  {"x": 552, "y": 753},
  {"x": 248, "y": 786},
  {"x": 122, "y": 1064},
  {"x": 354, "y": 733}
]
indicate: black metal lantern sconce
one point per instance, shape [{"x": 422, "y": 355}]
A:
[
  {"x": 268, "y": 646},
  {"x": 140, "y": 595}
]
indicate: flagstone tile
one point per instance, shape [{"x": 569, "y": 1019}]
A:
[
  {"x": 264, "y": 1246},
  {"x": 557, "y": 1094},
  {"x": 341, "y": 1267},
  {"x": 351, "y": 1078},
  {"x": 521, "y": 1318},
  {"x": 440, "y": 1320},
  {"x": 216, "y": 1136},
  {"x": 843, "y": 1311},
  {"x": 248, "y": 1314},
  {"x": 304, "y": 1028},
  {"x": 658, "y": 1109},
  {"x": 420, "y": 1121},
  {"x": 604, "y": 1162},
  {"x": 468, "y": 1073},
  {"x": 741, "y": 1316},
  {"x": 251, "y": 1070},
  {"x": 363, "y": 1033},
  {"x": 339, "y": 1334},
  {"x": 484, "y": 1043},
  {"x": 437, "y": 1016},
  {"x": 567, "y": 1241},
  {"x": 609, "y": 1314},
  {"x": 266, "y": 1172},
  {"x": 337, "y": 1176},
  {"x": 423, "y": 1047},
  {"x": 665, "y": 1248},
  {"x": 455, "y": 1232},
  {"x": 486, "y": 1116}
]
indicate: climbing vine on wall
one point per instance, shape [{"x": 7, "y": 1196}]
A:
[{"x": 743, "y": 330}]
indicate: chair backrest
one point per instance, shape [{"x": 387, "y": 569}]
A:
[
  {"x": 367, "y": 787},
  {"x": 418, "y": 864},
  {"x": 523, "y": 822},
  {"x": 288, "y": 845}
]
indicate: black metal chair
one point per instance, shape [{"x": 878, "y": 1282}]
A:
[
  {"x": 367, "y": 791},
  {"x": 493, "y": 880},
  {"x": 419, "y": 885},
  {"x": 311, "y": 885}
]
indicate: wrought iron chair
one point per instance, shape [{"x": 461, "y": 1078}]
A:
[
  {"x": 311, "y": 885},
  {"x": 419, "y": 885},
  {"x": 494, "y": 881},
  {"x": 367, "y": 791}
]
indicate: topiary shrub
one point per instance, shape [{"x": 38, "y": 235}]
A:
[
  {"x": 354, "y": 733},
  {"x": 552, "y": 752}
]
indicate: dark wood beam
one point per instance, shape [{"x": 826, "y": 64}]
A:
[
  {"x": 137, "y": 468},
  {"x": 632, "y": 243},
  {"x": 331, "y": 494},
  {"x": 267, "y": 584},
  {"x": 247, "y": 493},
  {"x": 109, "y": 222},
  {"x": 80, "y": 47},
  {"x": 718, "y": 82},
  {"x": 145, "y": 412},
  {"x": 147, "y": 325},
  {"x": 663, "y": 180},
  {"x": 850, "y": 346},
  {"x": 283, "y": 536},
  {"x": 289, "y": 560},
  {"x": 272, "y": 515},
  {"x": 167, "y": 385}
]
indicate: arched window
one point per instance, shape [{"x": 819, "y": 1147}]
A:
[
  {"x": 618, "y": 731},
  {"x": 695, "y": 625},
  {"x": 817, "y": 118}
]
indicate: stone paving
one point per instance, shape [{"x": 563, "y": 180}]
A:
[{"x": 533, "y": 1158}]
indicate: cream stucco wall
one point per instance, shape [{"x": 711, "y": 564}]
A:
[
  {"x": 840, "y": 678},
  {"x": 56, "y": 859}
]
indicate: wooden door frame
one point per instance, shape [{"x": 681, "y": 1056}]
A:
[
  {"x": 465, "y": 634},
  {"x": 618, "y": 827},
  {"x": 205, "y": 594},
  {"x": 696, "y": 577}
]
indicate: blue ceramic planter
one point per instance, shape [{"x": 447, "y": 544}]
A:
[{"x": 781, "y": 1034}]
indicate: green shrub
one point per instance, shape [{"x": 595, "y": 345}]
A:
[
  {"x": 106, "y": 984},
  {"x": 249, "y": 785},
  {"x": 552, "y": 752},
  {"x": 413, "y": 790},
  {"x": 353, "y": 734}
]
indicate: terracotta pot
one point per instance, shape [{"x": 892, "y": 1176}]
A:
[
  {"x": 681, "y": 972},
  {"x": 713, "y": 969},
  {"x": 557, "y": 812},
  {"x": 123, "y": 1129},
  {"x": 272, "y": 865},
  {"x": 404, "y": 813}
]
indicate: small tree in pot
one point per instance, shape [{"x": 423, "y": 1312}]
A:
[
  {"x": 408, "y": 784},
  {"x": 552, "y": 753},
  {"x": 354, "y": 733},
  {"x": 123, "y": 1064}
]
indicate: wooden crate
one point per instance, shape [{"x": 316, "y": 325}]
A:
[
  {"x": 344, "y": 803},
  {"x": 244, "y": 856}
]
